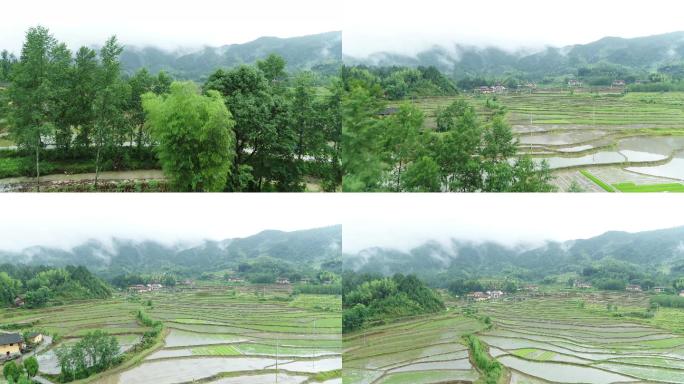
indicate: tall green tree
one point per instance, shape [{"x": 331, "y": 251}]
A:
[
  {"x": 265, "y": 140},
  {"x": 361, "y": 130},
  {"x": 31, "y": 93},
  {"x": 111, "y": 124},
  {"x": 59, "y": 77},
  {"x": 31, "y": 366},
  {"x": 401, "y": 134},
  {"x": 141, "y": 83},
  {"x": 195, "y": 136},
  {"x": 83, "y": 92},
  {"x": 7, "y": 60}
]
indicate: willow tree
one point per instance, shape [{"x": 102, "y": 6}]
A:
[{"x": 196, "y": 141}]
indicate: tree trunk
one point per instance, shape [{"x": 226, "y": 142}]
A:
[
  {"x": 38, "y": 163},
  {"x": 97, "y": 165}
]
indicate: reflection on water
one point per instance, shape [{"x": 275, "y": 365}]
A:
[
  {"x": 673, "y": 169},
  {"x": 562, "y": 373}
]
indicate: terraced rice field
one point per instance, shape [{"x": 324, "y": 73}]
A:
[
  {"x": 70, "y": 322},
  {"x": 226, "y": 335},
  {"x": 422, "y": 350},
  {"x": 555, "y": 339},
  {"x": 634, "y": 138},
  {"x": 214, "y": 334}
]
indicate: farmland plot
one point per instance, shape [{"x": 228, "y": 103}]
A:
[
  {"x": 557, "y": 339},
  {"x": 227, "y": 335},
  {"x": 421, "y": 350},
  {"x": 637, "y": 138}
]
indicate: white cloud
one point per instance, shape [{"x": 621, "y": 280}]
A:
[
  {"x": 408, "y": 26},
  {"x": 66, "y": 220},
  {"x": 403, "y": 221},
  {"x": 166, "y": 23}
]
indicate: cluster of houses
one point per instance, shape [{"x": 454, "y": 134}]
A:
[
  {"x": 488, "y": 90},
  {"x": 629, "y": 288},
  {"x": 482, "y": 296},
  {"x": 12, "y": 345},
  {"x": 279, "y": 280},
  {"x": 143, "y": 288}
]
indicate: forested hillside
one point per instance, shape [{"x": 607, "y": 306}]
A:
[
  {"x": 654, "y": 257},
  {"x": 320, "y": 53},
  {"x": 287, "y": 251},
  {"x": 40, "y": 285},
  {"x": 599, "y": 62}
]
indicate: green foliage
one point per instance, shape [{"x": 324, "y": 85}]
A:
[
  {"x": 195, "y": 136},
  {"x": 42, "y": 284},
  {"x": 31, "y": 366},
  {"x": 491, "y": 369},
  {"x": 464, "y": 155},
  {"x": 9, "y": 289},
  {"x": 386, "y": 298},
  {"x": 596, "y": 180},
  {"x": 669, "y": 301},
  {"x": 95, "y": 352},
  {"x": 12, "y": 371}
]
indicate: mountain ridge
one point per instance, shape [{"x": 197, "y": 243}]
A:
[{"x": 300, "y": 247}]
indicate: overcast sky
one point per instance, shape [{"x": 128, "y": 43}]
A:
[
  {"x": 407, "y": 26},
  {"x": 65, "y": 220},
  {"x": 166, "y": 23},
  {"x": 403, "y": 221}
]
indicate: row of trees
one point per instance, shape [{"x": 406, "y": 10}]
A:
[
  {"x": 18, "y": 373},
  {"x": 251, "y": 128},
  {"x": 396, "y": 153},
  {"x": 80, "y": 104}
]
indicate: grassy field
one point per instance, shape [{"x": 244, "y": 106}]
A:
[
  {"x": 213, "y": 332},
  {"x": 635, "y": 134}
]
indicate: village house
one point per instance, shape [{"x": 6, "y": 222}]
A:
[
  {"x": 478, "y": 296},
  {"x": 34, "y": 338},
  {"x": 282, "y": 281},
  {"x": 499, "y": 88},
  {"x": 633, "y": 288},
  {"x": 139, "y": 288},
  {"x": 155, "y": 287},
  {"x": 581, "y": 285},
  {"x": 681, "y": 293},
  {"x": 574, "y": 83},
  {"x": 10, "y": 345},
  {"x": 18, "y": 302},
  {"x": 495, "y": 294},
  {"x": 236, "y": 280},
  {"x": 659, "y": 289},
  {"x": 618, "y": 83},
  {"x": 305, "y": 280}
]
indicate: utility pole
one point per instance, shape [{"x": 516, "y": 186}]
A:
[{"x": 313, "y": 357}]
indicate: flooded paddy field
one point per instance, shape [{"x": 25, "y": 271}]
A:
[
  {"x": 66, "y": 324},
  {"x": 242, "y": 334},
  {"x": 575, "y": 339},
  {"x": 421, "y": 350},
  {"x": 635, "y": 135},
  {"x": 212, "y": 334}
]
